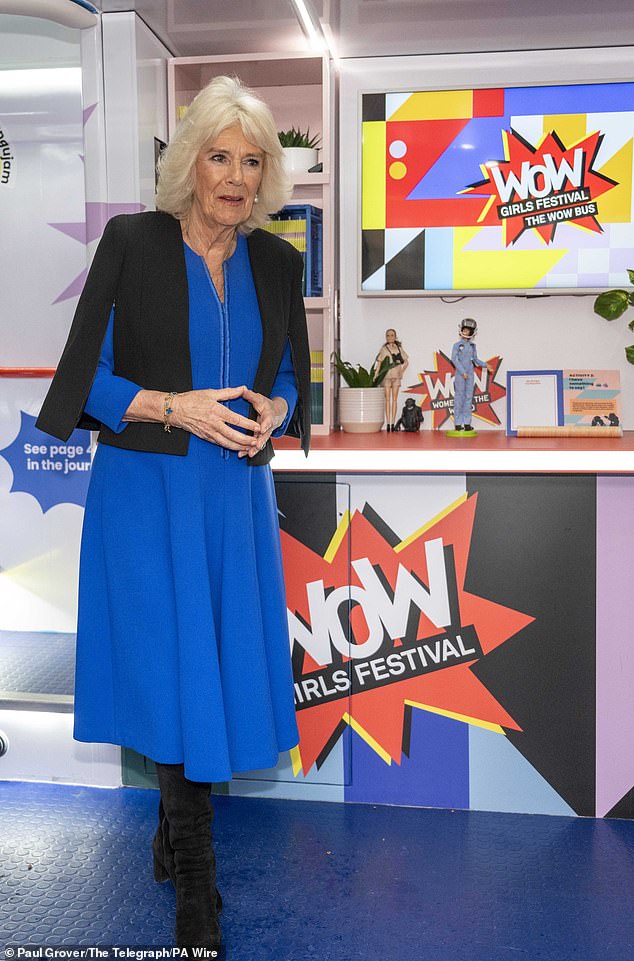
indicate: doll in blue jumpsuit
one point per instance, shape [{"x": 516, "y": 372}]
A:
[{"x": 464, "y": 357}]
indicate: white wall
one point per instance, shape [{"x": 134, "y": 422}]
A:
[
  {"x": 543, "y": 332},
  {"x": 41, "y": 118}
]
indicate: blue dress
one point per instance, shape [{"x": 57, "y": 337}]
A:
[{"x": 182, "y": 636}]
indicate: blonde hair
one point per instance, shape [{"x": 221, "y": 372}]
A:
[{"x": 222, "y": 103}]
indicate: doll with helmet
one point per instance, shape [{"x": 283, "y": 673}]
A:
[{"x": 465, "y": 359}]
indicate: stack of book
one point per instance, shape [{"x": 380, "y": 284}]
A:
[
  {"x": 317, "y": 386},
  {"x": 302, "y": 226}
]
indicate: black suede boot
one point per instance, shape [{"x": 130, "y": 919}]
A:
[
  {"x": 188, "y": 815},
  {"x": 163, "y": 855}
]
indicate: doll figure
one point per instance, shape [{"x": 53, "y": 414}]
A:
[
  {"x": 411, "y": 416},
  {"x": 394, "y": 351},
  {"x": 464, "y": 358}
]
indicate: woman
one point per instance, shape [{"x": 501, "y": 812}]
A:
[
  {"x": 182, "y": 638},
  {"x": 396, "y": 353}
]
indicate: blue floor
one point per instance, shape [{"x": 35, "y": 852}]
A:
[{"x": 304, "y": 880}]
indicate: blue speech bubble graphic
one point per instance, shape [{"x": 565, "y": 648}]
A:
[{"x": 54, "y": 471}]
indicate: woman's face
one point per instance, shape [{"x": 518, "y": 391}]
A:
[
  {"x": 228, "y": 175},
  {"x": 390, "y": 336}
]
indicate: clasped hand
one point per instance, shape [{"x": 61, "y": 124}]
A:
[{"x": 203, "y": 412}]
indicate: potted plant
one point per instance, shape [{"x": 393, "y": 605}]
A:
[
  {"x": 300, "y": 149},
  {"x": 612, "y": 304},
  {"x": 361, "y": 403}
]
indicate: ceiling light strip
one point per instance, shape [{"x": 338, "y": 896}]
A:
[{"x": 309, "y": 24}]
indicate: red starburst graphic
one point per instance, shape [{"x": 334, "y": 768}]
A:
[
  {"x": 437, "y": 389},
  {"x": 541, "y": 187},
  {"x": 364, "y": 563}
]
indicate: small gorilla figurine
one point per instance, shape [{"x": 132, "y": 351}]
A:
[{"x": 411, "y": 416}]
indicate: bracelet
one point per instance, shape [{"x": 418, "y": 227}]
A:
[{"x": 167, "y": 410}]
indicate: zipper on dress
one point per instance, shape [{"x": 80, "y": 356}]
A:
[
  {"x": 224, "y": 334},
  {"x": 224, "y": 307}
]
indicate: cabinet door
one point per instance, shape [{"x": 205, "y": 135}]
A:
[{"x": 314, "y": 530}]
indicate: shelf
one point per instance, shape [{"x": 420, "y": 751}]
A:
[
  {"x": 316, "y": 303},
  {"x": 298, "y": 89},
  {"x": 431, "y": 452},
  {"x": 309, "y": 180}
]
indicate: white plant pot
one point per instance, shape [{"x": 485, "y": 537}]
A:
[
  {"x": 299, "y": 159},
  {"x": 361, "y": 409}
]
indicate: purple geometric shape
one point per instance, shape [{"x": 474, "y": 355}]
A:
[
  {"x": 74, "y": 289},
  {"x": 98, "y": 215},
  {"x": 436, "y": 773},
  {"x": 88, "y": 112},
  {"x": 458, "y": 166},
  {"x": 490, "y": 238},
  {"x": 75, "y": 230},
  {"x": 569, "y": 263},
  {"x": 592, "y": 280},
  {"x": 615, "y": 649},
  {"x": 621, "y": 259}
]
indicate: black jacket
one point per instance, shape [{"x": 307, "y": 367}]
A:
[{"x": 139, "y": 266}]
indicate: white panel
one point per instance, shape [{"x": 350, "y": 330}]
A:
[
  {"x": 42, "y": 748},
  {"x": 121, "y": 107},
  {"x": 152, "y": 105},
  {"x": 95, "y": 146}
]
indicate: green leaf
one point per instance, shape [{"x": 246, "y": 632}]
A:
[
  {"x": 631, "y": 325},
  {"x": 295, "y": 138},
  {"x": 611, "y": 304},
  {"x": 630, "y": 274},
  {"x": 359, "y": 376},
  {"x": 385, "y": 365},
  {"x": 629, "y": 353}
]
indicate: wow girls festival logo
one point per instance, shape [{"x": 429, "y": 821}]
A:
[
  {"x": 378, "y": 623},
  {"x": 437, "y": 388},
  {"x": 543, "y": 186}
]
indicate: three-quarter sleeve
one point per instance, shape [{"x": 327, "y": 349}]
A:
[
  {"x": 110, "y": 395},
  {"x": 286, "y": 387}
]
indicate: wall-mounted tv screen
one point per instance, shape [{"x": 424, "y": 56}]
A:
[{"x": 502, "y": 190}]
